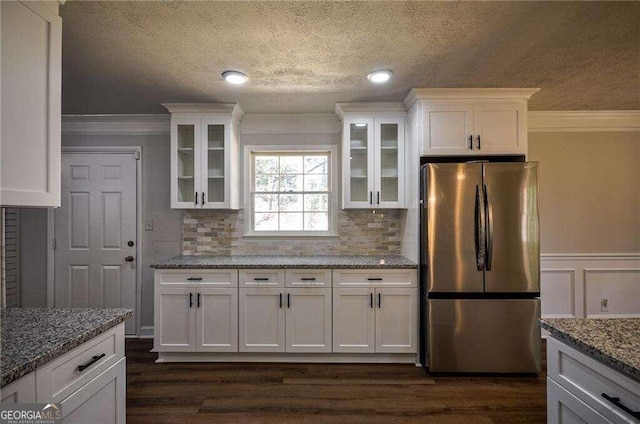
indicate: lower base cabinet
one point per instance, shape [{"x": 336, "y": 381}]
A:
[
  {"x": 285, "y": 320},
  {"x": 565, "y": 408}
]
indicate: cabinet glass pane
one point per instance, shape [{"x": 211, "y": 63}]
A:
[
  {"x": 389, "y": 162},
  {"x": 215, "y": 163},
  {"x": 186, "y": 162},
  {"x": 359, "y": 146}
]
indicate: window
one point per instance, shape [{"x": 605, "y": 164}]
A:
[{"x": 290, "y": 193}]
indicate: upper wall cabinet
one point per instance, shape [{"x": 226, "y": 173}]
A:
[
  {"x": 204, "y": 155},
  {"x": 30, "y": 74},
  {"x": 373, "y": 155},
  {"x": 463, "y": 122}
]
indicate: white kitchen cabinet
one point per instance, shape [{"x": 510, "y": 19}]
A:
[
  {"x": 23, "y": 390},
  {"x": 262, "y": 319},
  {"x": 30, "y": 71},
  {"x": 581, "y": 389},
  {"x": 196, "y": 310},
  {"x": 468, "y": 122},
  {"x": 204, "y": 155},
  {"x": 308, "y": 320},
  {"x": 375, "y": 319},
  {"x": 373, "y": 155}
]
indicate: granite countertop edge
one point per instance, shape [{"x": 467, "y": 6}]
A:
[
  {"x": 286, "y": 262},
  {"x": 14, "y": 373},
  {"x": 593, "y": 351}
]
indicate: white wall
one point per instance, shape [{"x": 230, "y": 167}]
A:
[{"x": 32, "y": 232}]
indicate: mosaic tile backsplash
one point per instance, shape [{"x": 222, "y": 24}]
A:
[{"x": 360, "y": 232}]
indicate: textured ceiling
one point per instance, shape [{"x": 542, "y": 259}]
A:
[{"x": 128, "y": 57}]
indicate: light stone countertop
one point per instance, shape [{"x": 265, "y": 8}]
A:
[
  {"x": 612, "y": 341},
  {"x": 283, "y": 262},
  {"x": 31, "y": 337}
]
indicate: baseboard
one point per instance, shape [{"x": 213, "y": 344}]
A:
[
  {"x": 341, "y": 358},
  {"x": 146, "y": 332}
]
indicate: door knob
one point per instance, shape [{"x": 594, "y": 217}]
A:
[{"x": 129, "y": 259}]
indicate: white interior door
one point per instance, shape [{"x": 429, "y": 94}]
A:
[{"x": 95, "y": 227}]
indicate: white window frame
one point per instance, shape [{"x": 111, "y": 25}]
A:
[{"x": 333, "y": 177}]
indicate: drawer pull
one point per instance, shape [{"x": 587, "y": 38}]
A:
[
  {"x": 194, "y": 279},
  {"x": 308, "y": 279},
  {"x": 375, "y": 279},
  {"x": 93, "y": 360},
  {"x": 616, "y": 402},
  {"x": 261, "y": 279}
]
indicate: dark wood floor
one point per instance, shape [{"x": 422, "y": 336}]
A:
[{"x": 321, "y": 393}]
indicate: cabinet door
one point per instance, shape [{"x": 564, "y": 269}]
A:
[
  {"x": 23, "y": 390},
  {"x": 101, "y": 400},
  {"x": 217, "y": 320},
  {"x": 215, "y": 163},
  {"x": 185, "y": 163},
  {"x": 357, "y": 162},
  {"x": 175, "y": 320},
  {"x": 501, "y": 128},
  {"x": 396, "y": 320},
  {"x": 353, "y": 320},
  {"x": 31, "y": 66},
  {"x": 389, "y": 163},
  {"x": 446, "y": 129},
  {"x": 308, "y": 320},
  {"x": 261, "y": 320},
  {"x": 565, "y": 408}
]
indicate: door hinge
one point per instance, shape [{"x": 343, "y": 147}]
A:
[
  {"x": 54, "y": 244},
  {"x": 136, "y": 155}
]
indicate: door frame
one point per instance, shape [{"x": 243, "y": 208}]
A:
[{"x": 127, "y": 150}]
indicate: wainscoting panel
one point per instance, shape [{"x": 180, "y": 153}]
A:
[{"x": 574, "y": 285}]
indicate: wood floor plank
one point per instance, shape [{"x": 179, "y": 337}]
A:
[{"x": 362, "y": 381}]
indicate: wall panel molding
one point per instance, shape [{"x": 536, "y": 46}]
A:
[
  {"x": 115, "y": 124},
  {"x": 583, "y": 120}
]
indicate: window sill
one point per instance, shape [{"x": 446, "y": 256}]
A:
[{"x": 272, "y": 236}]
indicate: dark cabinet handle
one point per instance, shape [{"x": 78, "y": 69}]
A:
[
  {"x": 190, "y": 300},
  {"x": 371, "y": 300},
  {"x": 616, "y": 402},
  {"x": 93, "y": 360},
  {"x": 378, "y": 196},
  {"x": 198, "y": 300},
  {"x": 280, "y": 300},
  {"x": 196, "y": 197},
  {"x": 308, "y": 279},
  {"x": 479, "y": 145},
  {"x": 375, "y": 279},
  {"x": 471, "y": 142},
  {"x": 379, "y": 301},
  {"x": 203, "y": 197},
  {"x": 260, "y": 279},
  {"x": 371, "y": 197},
  {"x": 288, "y": 300},
  {"x": 194, "y": 279}
]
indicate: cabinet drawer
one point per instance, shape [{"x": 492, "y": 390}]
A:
[
  {"x": 374, "y": 277},
  {"x": 589, "y": 379},
  {"x": 308, "y": 277},
  {"x": 210, "y": 278},
  {"x": 59, "y": 378},
  {"x": 563, "y": 407},
  {"x": 261, "y": 278}
]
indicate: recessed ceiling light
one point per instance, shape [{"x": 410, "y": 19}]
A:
[
  {"x": 235, "y": 77},
  {"x": 383, "y": 75}
]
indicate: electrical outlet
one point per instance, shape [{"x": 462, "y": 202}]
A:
[
  {"x": 148, "y": 225},
  {"x": 604, "y": 304}
]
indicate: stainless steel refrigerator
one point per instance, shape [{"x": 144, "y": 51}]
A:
[{"x": 480, "y": 267}]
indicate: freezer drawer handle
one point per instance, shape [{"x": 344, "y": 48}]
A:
[
  {"x": 93, "y": 360},
  {"x": 616, "y": 402},
  {"x": 375, "y": 279}
]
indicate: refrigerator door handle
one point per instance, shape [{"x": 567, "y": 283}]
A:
[
  {"x": 479, "y": 229},
  {"x": 489, "y": 213}
]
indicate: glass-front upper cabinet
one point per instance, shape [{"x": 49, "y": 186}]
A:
[
  {"x": 204, "y": 146},
  {"x": 373, "y": 155}
]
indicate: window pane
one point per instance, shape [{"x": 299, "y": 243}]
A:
[
  {"x": 266, "y": 165},
  {"x": 315, "y": 183},
  {"x": 291, "y": 164},
  {"x": 265, "y": 202},
  {"x": 266, "y": 222},
  {"x": 316, "y": 221},
  {"x": 316, "y": 202},
  {"x": 290, "y": 182},
  {"x": 291, "y": 202},
  {"x": 267, "y": 183},
  {"x": 291, "y": 222},
  {"x": 315, "y": 165}
]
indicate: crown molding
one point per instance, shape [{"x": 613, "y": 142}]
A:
[
  {"x": 226, "y": 108},
  {"x": 584, "y": 120},
  {"x": 467, "y": 94},
  {"x": 369, "y": 107},
  {"x": 115, "y": 124}
]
